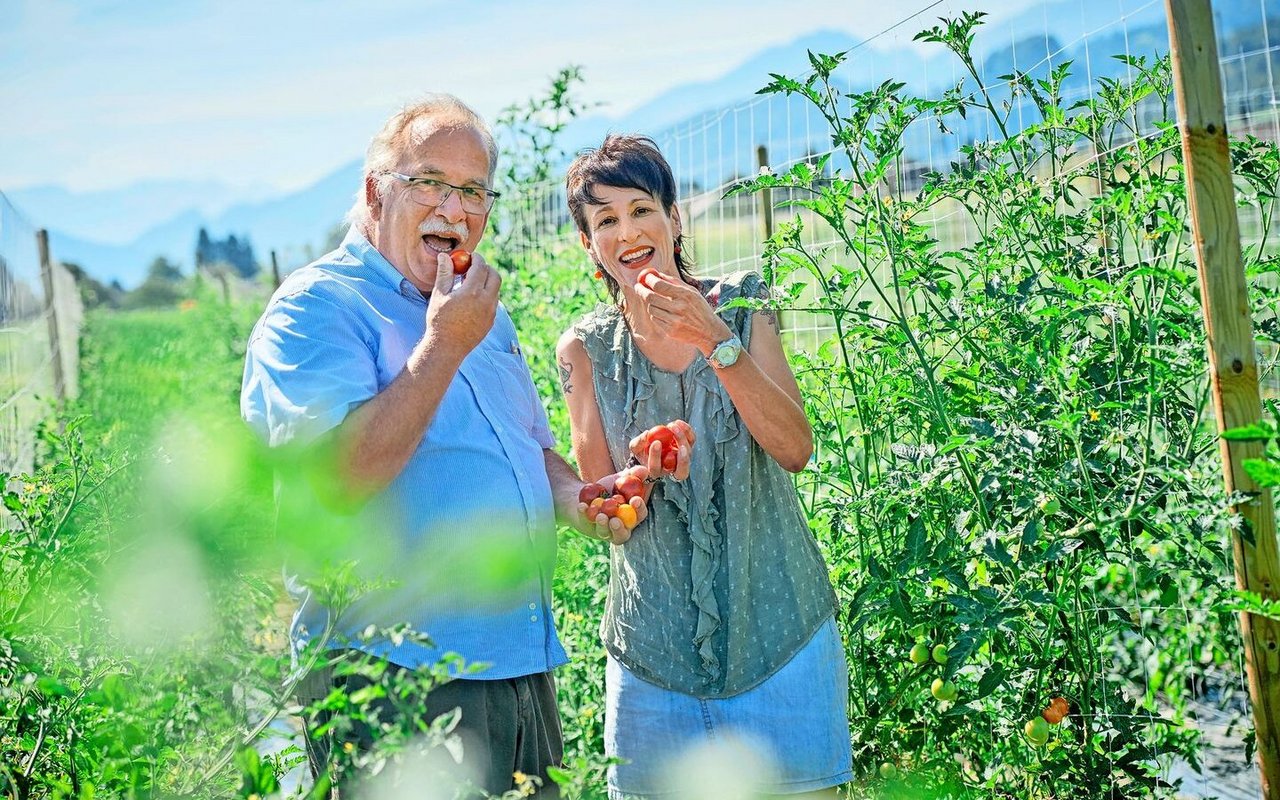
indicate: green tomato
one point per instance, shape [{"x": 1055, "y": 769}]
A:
[
  {"x": 919, "y": 653},
  {"x": 1049, "y": 505},
  {"x": 1037, "y": 731},
  {"x": 940, "y": 653},
  {"x": 888, "y": 771},
  {"x": 944, "y": 691}
]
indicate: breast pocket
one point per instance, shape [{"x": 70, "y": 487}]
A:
[{"x": 516, "y": 396}]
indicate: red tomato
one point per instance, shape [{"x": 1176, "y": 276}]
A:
[
  {"x": 590, "y": 492},
  {"x": 669, "y": 461},
  {"x": 663, "y": 434},
  {"x": 1056, "y": 711},
  {"x": 630, "y": 486},
  {"x": 610, "y": 507},
  {"x": 647, "y": 276},
  {"x": 461, "y": 261}
]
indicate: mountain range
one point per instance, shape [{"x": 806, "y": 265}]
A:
[{"x": 114, "y": 235}]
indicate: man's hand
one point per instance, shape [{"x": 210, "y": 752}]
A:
[
  {"x": 593, "y": 519},
  {"x": 459, "y": 317}
]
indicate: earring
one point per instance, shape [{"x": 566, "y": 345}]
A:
[{"x": 677, "y": 247}]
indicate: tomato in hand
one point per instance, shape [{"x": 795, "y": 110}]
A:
[
  {"x": 627, "y": 513},
  {"x": 669, "y": 461},
  {"x": 590, "y": 492},
  {"x": 664, "y": 435},
  {"x": 647, "y": 276},
  {"x": 629, "y": 486},
  {"x": 461, "y": 261},
  {"x": 610, "y": 506}
]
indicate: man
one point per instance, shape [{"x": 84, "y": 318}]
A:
[{"x": 418, "y": 384}]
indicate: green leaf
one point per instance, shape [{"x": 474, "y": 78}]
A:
[
  {"x": 1263, "y": 431},
  {"x": 1264, "y": 471}
]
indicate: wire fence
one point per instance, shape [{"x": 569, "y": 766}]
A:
[
  {"x": 40, "y": 317},
  {"x": 713, "y": 151}
]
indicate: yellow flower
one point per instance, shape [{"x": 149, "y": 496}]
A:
[
  {"x": 28, "y": 487},
  {"x": 519, "y": 776},
  {"x": 1093, "y": 415},
  {"x": 348, "y": 747}
]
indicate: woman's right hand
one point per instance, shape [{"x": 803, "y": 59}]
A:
[{"x": 648, "y": 449}]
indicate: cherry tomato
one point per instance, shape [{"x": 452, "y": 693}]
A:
[
  {"x": 669, "y": 461},
  {"x": 919, "y": 653},
  {"x": 461, "y": 261},
  {"x": 627, "y": 513},
  {"x": 1056, "y": 711},
  {"x": 610, "y": 506},
  {"x": 943, "y": 690},
  {"x": 646, "y": 276},
  {"x": 888, "y": 771},
  {"x": 593, "y": 510},
  {"x": 590, "y": 492},
  {"x": 940, "y": 653},
  {"x": 1036, "y": 731},
  {"x": 629, "y": 486}
]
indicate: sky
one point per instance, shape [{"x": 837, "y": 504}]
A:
[{"x": 271, "y": 96}]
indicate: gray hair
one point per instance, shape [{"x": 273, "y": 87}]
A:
[{"x": 389, "y": 143}]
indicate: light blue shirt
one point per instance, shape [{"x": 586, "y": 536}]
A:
[{"x": 466, "y": 532}]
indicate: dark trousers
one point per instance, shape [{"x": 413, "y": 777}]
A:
[{"x": 506, "y": 726}]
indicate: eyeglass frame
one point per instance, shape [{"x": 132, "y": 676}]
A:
[{"x": 412, "y": 180}]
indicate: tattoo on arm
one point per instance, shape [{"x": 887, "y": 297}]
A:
[
  {"x": 771, "y": 317},
  {"x": 566, "y": 370}
]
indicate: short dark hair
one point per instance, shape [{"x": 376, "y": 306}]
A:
[{"x": 626, "y": 162}]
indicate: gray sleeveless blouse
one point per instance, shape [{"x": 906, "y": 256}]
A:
[{"x": 723, "y": 583}]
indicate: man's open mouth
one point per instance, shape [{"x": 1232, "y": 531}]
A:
[{"x": 441, "y": 242}]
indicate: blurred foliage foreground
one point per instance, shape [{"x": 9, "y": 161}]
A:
[{"x": 1015, "y": 484}]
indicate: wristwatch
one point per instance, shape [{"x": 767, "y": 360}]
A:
[{"x": 726, "y": 353}]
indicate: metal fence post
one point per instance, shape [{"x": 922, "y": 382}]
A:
[{"x": 51, "y": 315}]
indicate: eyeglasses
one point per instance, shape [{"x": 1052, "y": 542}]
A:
[{"x": 431, "y": 192}]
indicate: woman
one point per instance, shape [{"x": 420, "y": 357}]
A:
[{"x": 720, "y": 617}]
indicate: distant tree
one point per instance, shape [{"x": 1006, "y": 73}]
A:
[
  {"x": 162, "y": 287},
  {"x": 233, "y": 253},
  {"x": 94, "y": 293}
]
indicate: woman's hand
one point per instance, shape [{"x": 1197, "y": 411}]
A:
[
  {"x": 682, "y": 312},
  {"x": 648, "y": 448}
]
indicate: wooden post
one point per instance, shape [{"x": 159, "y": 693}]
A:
[
  {"x": 51, "y": 314},
  {"x": 766, "y": 200},
  {"x": 275, "y": 271},
  {"x": 1232, "y": 350}
]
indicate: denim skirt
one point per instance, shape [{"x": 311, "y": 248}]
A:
[{"x": 788, "y": 735}]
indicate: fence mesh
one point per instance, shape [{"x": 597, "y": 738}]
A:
[{"x": 712, "y": 151}]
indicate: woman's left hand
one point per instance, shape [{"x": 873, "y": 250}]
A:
[{"x": 682, "y": 312}]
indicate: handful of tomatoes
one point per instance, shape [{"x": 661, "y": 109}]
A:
[{"x": 615, "y": 505}]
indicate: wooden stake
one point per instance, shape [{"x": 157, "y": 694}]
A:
[
  {"x": 766, "y": 198},
  {"x": 1233, "y": 368}
]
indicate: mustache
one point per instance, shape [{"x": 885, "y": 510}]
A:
[{"x": 431, "y": 228}]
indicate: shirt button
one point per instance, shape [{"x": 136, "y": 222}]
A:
[
  {"x": 533, "y": 606},
  {"x": 533, "y": 617}
]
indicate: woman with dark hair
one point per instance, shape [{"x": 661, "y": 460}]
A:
[{"x": 719, "y": 623}]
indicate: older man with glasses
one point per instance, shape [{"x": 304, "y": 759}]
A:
[{"x": 418, "y": 383}]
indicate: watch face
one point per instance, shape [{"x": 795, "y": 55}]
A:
[{"x": 726, "y": 353}]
